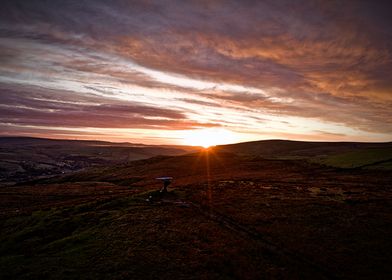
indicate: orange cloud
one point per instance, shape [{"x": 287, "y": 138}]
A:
[{"x": 182, "y": 65}]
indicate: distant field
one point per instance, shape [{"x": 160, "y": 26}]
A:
[
  {"x": 368, "y": 158},
  {"x": 333, "y": 154},
  {"x": 24, "y": 158}
]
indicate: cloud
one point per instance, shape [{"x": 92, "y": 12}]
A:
[
  {"x": 180, "y": 64},
  {"x": 34, "y": 106}
]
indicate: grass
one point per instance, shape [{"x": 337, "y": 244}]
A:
[
  {"x": 90, "y": 241},
  {"x": 125, "y": 237},
  {"x": 357, "y": 159},
  {"x": 34, "y": 246}
]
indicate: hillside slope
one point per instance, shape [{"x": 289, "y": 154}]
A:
[
  {"x": 335, "y": 154},
  {"x": 25, "y": 158},
  {"x": 225, "y": 216}
]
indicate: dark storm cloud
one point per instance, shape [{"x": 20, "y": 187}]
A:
[{"x": 329, "y": 60}]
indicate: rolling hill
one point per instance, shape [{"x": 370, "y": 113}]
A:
[
  {"x": 26, "y": 158},
  {"x": 242, "y": 211},
  {"x": 334, "y": 154}
]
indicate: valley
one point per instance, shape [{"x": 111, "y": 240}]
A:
[{"x": 226, "y": 215}]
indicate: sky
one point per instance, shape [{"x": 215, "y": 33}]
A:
[{"x": 184, "y": 72}]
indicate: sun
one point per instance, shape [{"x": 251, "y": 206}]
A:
[{"x": 208, "y": 137}]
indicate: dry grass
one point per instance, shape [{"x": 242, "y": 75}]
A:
[{"x": 246, "y": 218}]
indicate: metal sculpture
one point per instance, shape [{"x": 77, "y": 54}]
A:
[{"x": 166, "y": 182}]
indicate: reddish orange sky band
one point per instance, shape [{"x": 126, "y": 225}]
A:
[{"x": 172, "y": 72}]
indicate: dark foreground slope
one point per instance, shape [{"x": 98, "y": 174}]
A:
[
  {"x": 227, "y": 216},
  {"x": 26, "y": 158}
]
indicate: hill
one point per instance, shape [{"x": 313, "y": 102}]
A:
[
  {"x": 335, "y": 154},
  {"x": 26, "y": 158},
  {"x": 226, "y": 215}
]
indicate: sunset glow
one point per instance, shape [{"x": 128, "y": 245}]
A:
[
  {"x": 195, "y": 139},
  {"x": 151, "y": 71},
  {"x": 209, "y": 137}
]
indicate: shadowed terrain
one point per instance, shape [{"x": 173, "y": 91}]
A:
[
  {"x": 26, "y": 158},
  {"x": 257, "y": 212}
]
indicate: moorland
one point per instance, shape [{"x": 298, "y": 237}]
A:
[{"x": 258, "y": 210}]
